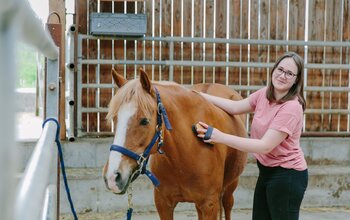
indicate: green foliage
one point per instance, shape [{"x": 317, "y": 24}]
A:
[{"x": 27, "y": 67}]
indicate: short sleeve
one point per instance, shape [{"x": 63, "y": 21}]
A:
[
  {"x": 255, "y": 96},
  {"x": 288, "y": 118}
]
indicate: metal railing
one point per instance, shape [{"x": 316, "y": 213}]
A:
[
  {"x": 171, "y": 62},
  {"x": 36, "y": 196}
]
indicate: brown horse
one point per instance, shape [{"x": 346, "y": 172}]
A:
[{"x": 155, "y": 118}]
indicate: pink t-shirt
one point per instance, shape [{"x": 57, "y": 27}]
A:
[{"x": 286, "y": 117}]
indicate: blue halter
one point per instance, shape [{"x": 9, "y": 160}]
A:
[{"x": 142, "y": 159}]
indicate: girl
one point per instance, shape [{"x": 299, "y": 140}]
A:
[{"x": 275, "y": 139}]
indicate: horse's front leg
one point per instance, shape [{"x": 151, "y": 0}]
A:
[
  {"x": 165, "y": 206},
  {"x": 209, "y": 209}
]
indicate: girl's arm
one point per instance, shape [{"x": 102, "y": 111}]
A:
[
  {"x": 263, "y": 146},
  {"x": 230, "y": 106}
]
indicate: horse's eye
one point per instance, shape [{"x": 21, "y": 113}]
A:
[{"x": 144, "y": 121}]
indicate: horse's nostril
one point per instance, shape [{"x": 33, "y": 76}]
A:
[{"x": 118, "y": 176}]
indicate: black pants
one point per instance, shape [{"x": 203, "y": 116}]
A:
[{"x": 278, "y": 193}]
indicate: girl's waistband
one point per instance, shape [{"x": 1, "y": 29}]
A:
[{"x": 264, "y": 170}]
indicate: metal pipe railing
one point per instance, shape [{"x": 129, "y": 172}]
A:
[
  {"x": 38, "y": 175},
  {"x": 18, "y": 21},
  {"x": 7, "y": 110},
  {"x": 32, "y": 31},
  {"x": 225, "y": 40}
]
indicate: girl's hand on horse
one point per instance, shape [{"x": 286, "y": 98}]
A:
[{"x": 214, "y": 135}]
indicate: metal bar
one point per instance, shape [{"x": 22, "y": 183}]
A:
[
  {"x": 230, "y": 41},
  {"x": 208, "y": 63},
  {"x": 37, "y": 175},
  {"x": 307, "y": 111},
  {"x": 192, "y": 44},
  {"x": 214, "y": 37},
  {"x": 237, "y": 87},
  {"x": 69, "y": 82},
  {"x": 52, "y": 89},
  {"x": 325, "y": 134},
  {"x": 79, "y": 88},
  {"x": 49, "y": 213},
  {"x": 8, "y": 70},
  {"x": 160, "y": 34},
  {"x": 32, "y": 31},
  {"x": 94, "y": 110},
  {"x": 171, "y": 58}
]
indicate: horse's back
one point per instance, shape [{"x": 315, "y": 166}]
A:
[
  {"x": 235, "y": 160},
  {"x": 224, "y": 92}
]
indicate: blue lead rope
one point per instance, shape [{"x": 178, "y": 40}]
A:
[
  {"x": 60, "y": 153},
  {"x": 129, "y": 213}
]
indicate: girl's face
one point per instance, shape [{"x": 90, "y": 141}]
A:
[{"x": 284, "y": 76}]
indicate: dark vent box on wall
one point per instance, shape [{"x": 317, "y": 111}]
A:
[{"x": 118, "y": 24}]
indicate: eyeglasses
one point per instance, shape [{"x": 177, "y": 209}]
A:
[{"x": 288, "y": 74}]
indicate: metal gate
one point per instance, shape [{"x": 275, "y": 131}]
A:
[{"x": 230, "y": 42}]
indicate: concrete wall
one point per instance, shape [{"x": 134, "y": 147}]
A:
[{"x": 329, "y": 177}]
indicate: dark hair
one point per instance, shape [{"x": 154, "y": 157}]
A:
[{"x": 298, "y": 87}]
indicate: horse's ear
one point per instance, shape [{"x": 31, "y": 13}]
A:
[
  {"x": 145, "y": 82},
  {"x": 118, "y": 79}
]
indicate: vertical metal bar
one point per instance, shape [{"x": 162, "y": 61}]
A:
[
  {"x": 97, "y": 73},
  {"x": 171, "y": 58},
  {"x": 52, "y": 89},
  {"x": 204, "y": 35},
  {"x": 8, "y": 70},
  {"x": 192, "y": 35},
  {"x": 306, "y": 38},
  {"x": 259, "y": 29},
  {"x": 248, "y": 59},
  {"x": 324, "y": 71},
  {"x": 69, "y": 79},
  {"x": 347, "y": 60},
  {"x": 79, "y": 86},
  {"x": 144, "y": 42},
  {"x": 240, "y": 46},
  {"x": 214, "y": 35},
  {"x": 341, "y": 21},
  {"x": 135, "y": 47},
  {"x": 171, "y": 55},
  {"x": 160, "y": 35},
  {"x": 268, "y": 37},
  {"x": 287, "y": 24},
  {"x": 125, "y": 43},
  {"x": 113, "y": 58},
  {"x": 248, "y": 46},
  {"x": 153, "y": 33},
  {"x": 227, "y": 37},
  {"x": 87, "y": 75},
  {"x": 182, "y": 43}
]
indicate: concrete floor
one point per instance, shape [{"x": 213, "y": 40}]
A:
[{"x": 336, "y": 213}]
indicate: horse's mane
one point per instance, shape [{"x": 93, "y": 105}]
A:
[{"x": 132, "y": 91}]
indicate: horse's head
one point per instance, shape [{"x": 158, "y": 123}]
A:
[{"x": 133, "y": 110}]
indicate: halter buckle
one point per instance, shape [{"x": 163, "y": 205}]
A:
[
  {"x": 160, "y": 108},
  {"x": 141, "y": 160}
]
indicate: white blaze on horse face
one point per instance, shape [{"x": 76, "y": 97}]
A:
[{"x": 125, "y": 112}]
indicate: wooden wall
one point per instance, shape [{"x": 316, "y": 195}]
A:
[{"x": 263, "y": 19}]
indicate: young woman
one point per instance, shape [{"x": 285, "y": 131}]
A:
[{"x": 275, "y": 139}]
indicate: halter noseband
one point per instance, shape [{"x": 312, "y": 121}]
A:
[{"x": 142, "y": 159}]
